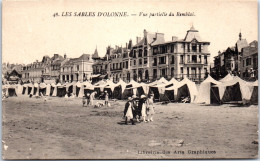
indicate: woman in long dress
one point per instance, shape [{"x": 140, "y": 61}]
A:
[
  {"x": 128, "y": 112},
  {"x": 143, "y": 105},
  {"x": 150, "y": 108}
]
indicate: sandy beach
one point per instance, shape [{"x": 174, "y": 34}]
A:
[{"x": 62, "y": 129}]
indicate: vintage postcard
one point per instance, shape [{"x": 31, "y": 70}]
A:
[{"x": 111, "y": 79}]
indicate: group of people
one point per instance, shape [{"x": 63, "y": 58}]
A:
[
  {"x": 89, "y": 98},
  {"x": 139, "y": 109}
]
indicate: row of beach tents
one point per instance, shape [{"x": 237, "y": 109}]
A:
[{"x": 230, "y": 88}]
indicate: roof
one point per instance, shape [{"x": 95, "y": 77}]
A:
[
  {"x": 95, "y": 55},
  {"x": 150, "y": 39},
  {"x": 84, "y": 57},
  {"x": 192, "y": 34},
  {"x": 159, "y": 39}
]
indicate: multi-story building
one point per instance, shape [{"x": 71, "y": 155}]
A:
[
  {"x": 48, "y": 70},
  {"x": 77, "y": 69},
  {"x": 249, "y": 61},
  {"x": 230, "y": 60},
  {"x": 33, "y": 72},
  {"x": 152, "y": 57}
]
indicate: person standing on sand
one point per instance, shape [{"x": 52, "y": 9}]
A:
[
  {"x": 150, "y": 108},
  {"x": 143, "y": 106},
  {"x": 92, "y": 97},
  {"x": 128, "y": 112},
  {"x": 106, "y": 99},
  {"x": 136, "y": 111},
  {"x": 88, "y": 98}
]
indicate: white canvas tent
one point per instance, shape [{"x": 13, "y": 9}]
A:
[
  {"x": 184, "y": 87},
  {"x": 235, "y": 89},
  {"x": 204, "y": 92}
]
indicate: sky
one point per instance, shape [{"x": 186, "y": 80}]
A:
[{"x": 30, "y": 31}]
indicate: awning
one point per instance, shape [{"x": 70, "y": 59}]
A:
[
  {"x": 95, "y": 75},
  {"x": 103, "y": 76}
]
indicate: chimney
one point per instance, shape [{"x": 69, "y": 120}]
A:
[
  {"x": 65, "y": 56},
  {"x": 145, "y": 33},
  {"x": 126, "y": 45},
  {"x": 36, "y": 61},
  {"x": 56, "y": 56},
  {"x": 174, "y": 38},
  {"x": 130, "y": 44},
  {"x": 138, "y": 39}
]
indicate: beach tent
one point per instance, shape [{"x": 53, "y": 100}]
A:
[
  {"x": 162, "y": 80},
  {"x": 43, "y": 88},
  {"x": 227, "y": 78},
  {"x": 36, "y": 89},
  {"x": 76, "y": 88},
  {"x": 207, "y": 94},
  {"x": 131, "y": 89},
  {"x": 235, "y": 89},
  {"x": 254, "y": 95},
  {"x": 61, "y": 90},
  {"x": 30, "y": 89},
  {"x": 119, "y": 88},
  {"x": 110, "y": 88},
  {"x": 159, "y": 89},
  {"x": 48, "y": 90},
  {"x": 184, "y": 88},
  {"x": 10, "y": 90},
  {"x": 53, "y": 90},
  {"x": 25, "y": 89}
]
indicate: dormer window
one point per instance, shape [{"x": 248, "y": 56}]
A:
[{"x": 194, "y": 47}]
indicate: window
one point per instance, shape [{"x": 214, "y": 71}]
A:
[
  {"x": 126, "y": 64},
  {"x": 181, "y": 61},
  {"x": 188, "y": 58},
  {"x": 194, "y": 58},
  {"x": 199, "y": 58},
  {"x": 243, "y": 63},
  {"x": 199, "y": 47},
  {"x": 205, "y": 59},
  {"x": 194, "y": 47},
  {"x": 188, "y": 71},
  {"x": 188, "y": 47},
  {"x": 155, "y": 50},
  {"x": 145, "y": 51},
  {"x": 134, "y": 55},
  {"x": 162, "y": 60},
  {"x": 134, "y": 62},
  {"x": 172, "y": 62},
  {"x": 248, "y": 61},
  {"x": 172, "y": 48},
  {"x": 164, "y": 72},
  {"x": 140, "y": 54},
  {"x": 154, "y": 61},
  {"x": 77, "y": 67},
  {"x": 154, "y": 73},
  {"x": 140, "y": 61},
  {"x": 145, "y": 60},
  {"x": 181, "y": 70},
  {"x": 123, "y": 64}
]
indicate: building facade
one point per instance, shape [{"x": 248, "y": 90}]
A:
[
  {"x": 152, "y": 58},
  {"x": 48, "y": 70},
  {"x": 249, "y": 61},
  {"x": 77, "y": 69},
  {"x": 230, "y": 60}
]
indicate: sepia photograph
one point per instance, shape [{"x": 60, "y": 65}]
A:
[{"x": 111, "y": 79}]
